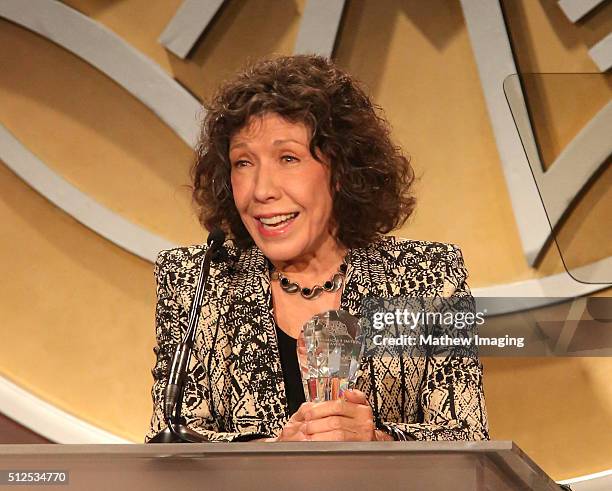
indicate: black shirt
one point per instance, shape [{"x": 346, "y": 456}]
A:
[{"x": 294, "y": 390}]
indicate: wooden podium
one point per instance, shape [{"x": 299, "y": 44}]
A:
[{"x": 428, "y": 466}]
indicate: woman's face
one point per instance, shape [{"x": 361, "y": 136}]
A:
[{"x": 280, "y": 190}]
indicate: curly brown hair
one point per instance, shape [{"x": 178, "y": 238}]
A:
[{"x": 370, "y": 176}]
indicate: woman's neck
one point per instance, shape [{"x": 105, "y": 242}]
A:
[{"x": 314, "y": 267}]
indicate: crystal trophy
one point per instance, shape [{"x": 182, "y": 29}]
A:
[{"x": 329, "y": 350}]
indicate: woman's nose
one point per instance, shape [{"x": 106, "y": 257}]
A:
[{"x": 266, "y": 183}]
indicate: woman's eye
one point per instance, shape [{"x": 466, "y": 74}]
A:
[
  {"x": 289, "y": 158},
  {"x": 241, "y": 163}
]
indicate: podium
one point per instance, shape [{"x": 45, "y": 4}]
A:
[{"x": 430, "y": 466}]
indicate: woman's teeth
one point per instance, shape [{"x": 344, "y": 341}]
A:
[{"x": 277, "y": 220}]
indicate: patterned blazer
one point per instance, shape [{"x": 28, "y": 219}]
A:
[{"x": 235, "y": 388}]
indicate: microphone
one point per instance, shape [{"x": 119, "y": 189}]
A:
[
  {"x": 215, "y": 239},
  {"x": 173, "y": 396}
]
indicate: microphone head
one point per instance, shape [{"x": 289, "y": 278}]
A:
[{"x": 216, "y": 238}]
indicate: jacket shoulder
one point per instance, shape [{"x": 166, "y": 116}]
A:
[
  {"x": 180, "y": 255},
  {"x": 423, "y": 262},
  {"x": 427, "y": 249},
  {"x": 185, "y": 258}
]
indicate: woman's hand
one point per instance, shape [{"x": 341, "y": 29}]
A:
[
  {"x": 292, "y": 431},
  {"x": 349, "y": 419}
]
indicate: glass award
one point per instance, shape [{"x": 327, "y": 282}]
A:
[{"x": 329, "y": 350}]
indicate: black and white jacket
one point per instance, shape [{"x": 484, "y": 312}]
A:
[{"x": 235, "y": 387}]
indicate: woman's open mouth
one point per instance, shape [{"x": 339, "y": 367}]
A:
[{"x": 277, "y": 224}]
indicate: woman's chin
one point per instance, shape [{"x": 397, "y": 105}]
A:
[
  {"x": 276, "y": 254},
  {"x": 279, "y": 250}
]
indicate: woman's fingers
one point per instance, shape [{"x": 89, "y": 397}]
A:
[
  {"x": 343, "y": 435},
  {"x": 361, "y": 427},
  {"x": 343, "y": 419},
  {"x": 292, "y": 432},
  {"x": 300, "y": 414},
  {"x": 356, "y": 397},
  {"x": 328, "y": 408},
  {"x": 339, "y": 407},
  {"x": 329, "y": 423}
]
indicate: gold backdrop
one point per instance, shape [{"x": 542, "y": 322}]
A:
[{"x": 77, "y": 311}]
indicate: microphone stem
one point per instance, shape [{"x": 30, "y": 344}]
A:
[{"x": 176, "y": 381}]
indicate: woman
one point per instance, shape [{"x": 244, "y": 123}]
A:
[{"x": 297, "y": 166}]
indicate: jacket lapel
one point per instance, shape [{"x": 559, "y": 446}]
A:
[
  {"x": 255, "y": 361},
  {"x": 365, "y": 277}
]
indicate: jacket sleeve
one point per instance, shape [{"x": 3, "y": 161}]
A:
[
  {"x": 171, "y": 320},
  {"x": 451, "y": 396}
]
